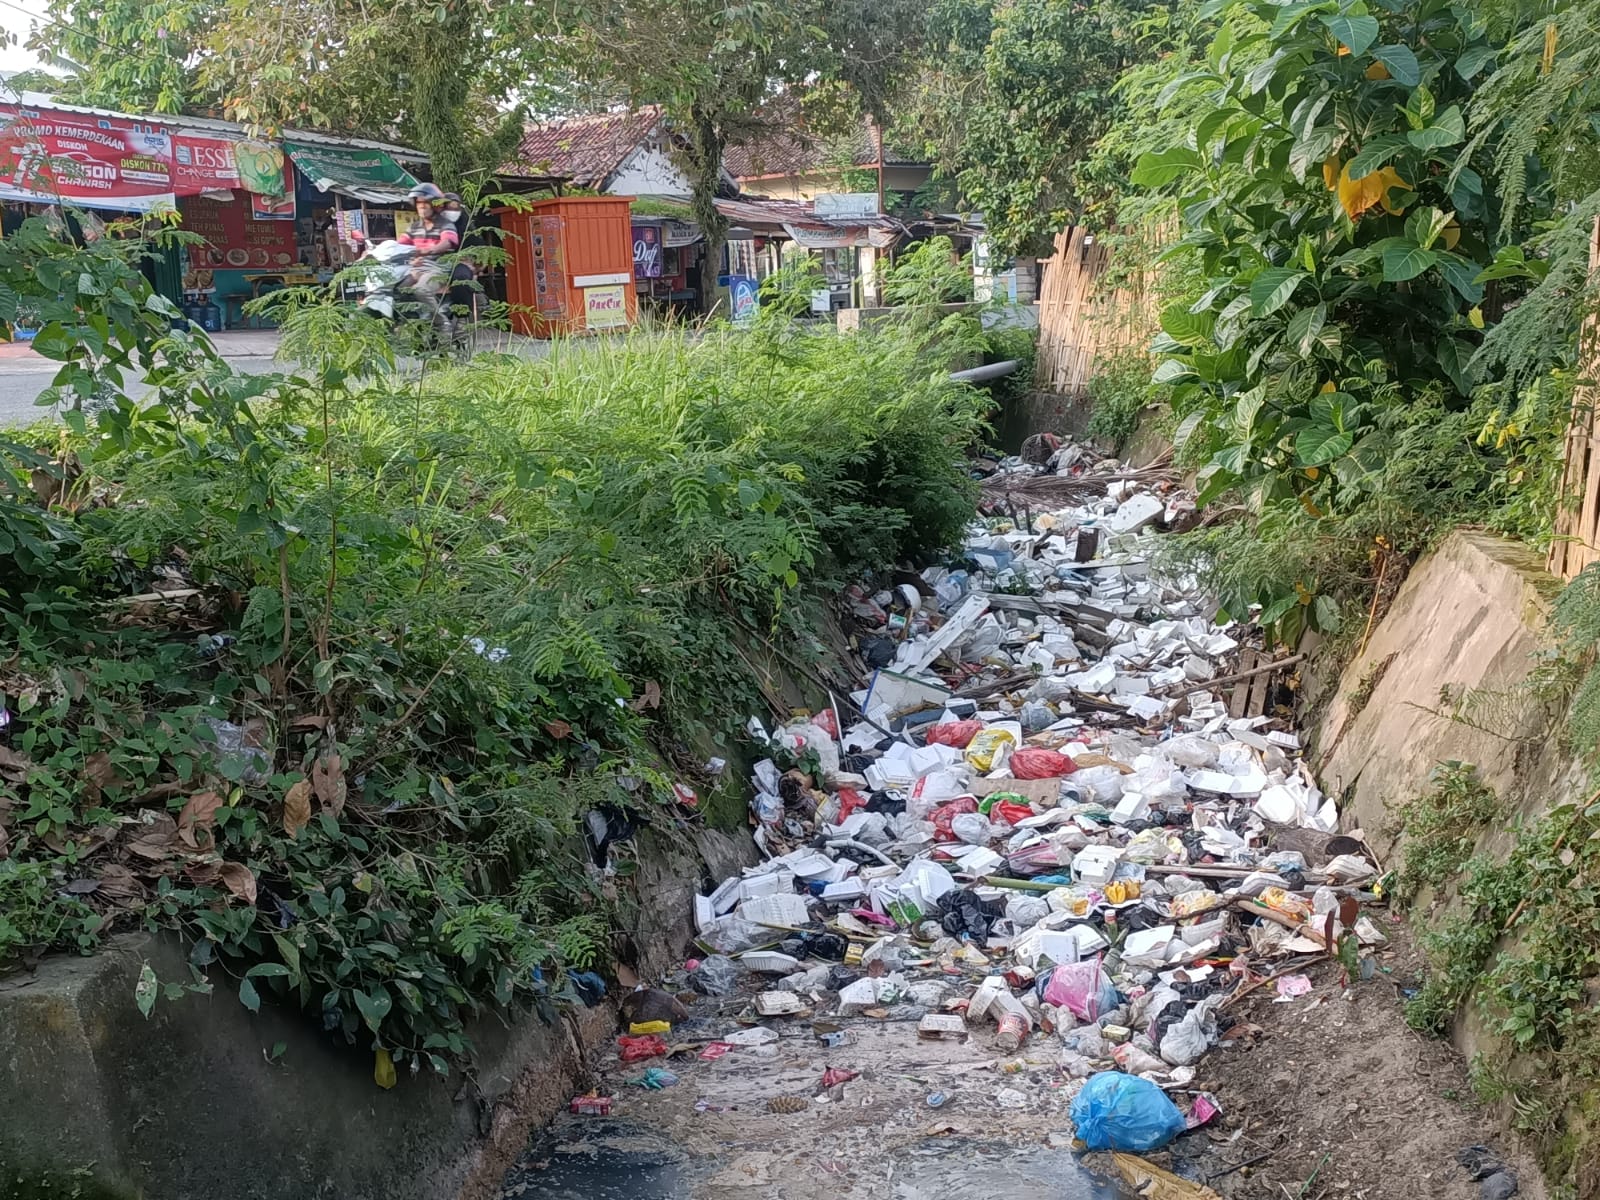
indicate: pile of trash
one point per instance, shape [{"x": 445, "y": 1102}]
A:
[{"x": 1038, "y": 819}]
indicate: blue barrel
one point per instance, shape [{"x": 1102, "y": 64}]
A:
[{"x": 210, "y": 317}]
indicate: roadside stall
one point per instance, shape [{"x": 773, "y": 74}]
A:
[{"x": 572, "y": 266}]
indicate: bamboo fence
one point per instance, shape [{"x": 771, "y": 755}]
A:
[
  {"x": 1083, "y": 319},
  {"x": 1577, "y": 536}
]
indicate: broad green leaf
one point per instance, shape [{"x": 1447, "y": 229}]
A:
[
  {"x": 267, "y": 970},
  {"x": 1461, "y": 274},
  {"x": 1210, "y": 124},
  {"x": 1186, "y": 428},
  {"x": 1355, "y": 32},
  {"x": 1511, "y": 263},
  {"x": 290, "y": 953},
  {"x": 1448, "y": 129},
  {"x": 248, "y": 995},
  {"x": 1326, "y": 610},
  {"x": 1170, "y": 370},
  {"x": 1402, "y": 64},
  {"x": 1424, "y": 225},
  {"x": 1246, "y": 409},
  {"x": 1272, "y": 288},
  {"x": 1161, "y": 167},
  {"x": 1455, "y": 360},
  {"x": 1275, "y": 611},
  {"x": 54, "y": 342},
  {"x": 1185, "y": 327},
  {"x": 1304, "y": 327},
  {"x": 374, "y": 1006},
  {"x": 1320, "y": 445},
  {"x": 1419, "y": 107},
  {"x": 1376, "y": 153},
  {"x": 1472, "y": 60},
  {"x": 1404, "y": 262}
]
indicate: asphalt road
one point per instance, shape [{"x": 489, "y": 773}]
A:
[{"x": 24, "y": 374}]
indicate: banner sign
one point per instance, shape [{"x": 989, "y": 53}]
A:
[
  {"x": 53, "y": 157},
  {"x": 605, "y": 307},
  {"x": 233, "y": 239},
  {"x": 205, "y": 164},
  {"x": 646, "y": 252}
]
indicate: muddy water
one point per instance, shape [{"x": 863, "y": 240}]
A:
[{"x": 711, "y": 1136}]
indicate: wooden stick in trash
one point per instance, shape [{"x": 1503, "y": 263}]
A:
[
  {"x": 1264, "y": 669},
  {"x": 1254, "y": 984}
]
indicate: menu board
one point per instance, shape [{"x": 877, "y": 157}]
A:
[
  {"x": 549, "y": 267},
  {"x": 233, "y": 238}
]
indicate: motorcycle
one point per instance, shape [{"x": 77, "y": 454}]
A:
[{"x": 390, "y": 269}]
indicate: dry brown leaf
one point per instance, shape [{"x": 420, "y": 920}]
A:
[
  {"x": 650, "y": 699},
  {"x": 238, "y": 880},
  {"x": 558, "y": 729},
  {"x": 309, "y": 721},
  {"x": 327, "y": 781},
  {"x": 14, "y": 766},
  {"x": 100, "y": 775},
  {"x": 157, "y": 841},
  {"x": 204, "y": 873},
  {"x": 119, "y": 883},
  {"x": 197, "y": 818},
  {"x": 5, "y": 838},
  {"x": 297, "y": 808}
]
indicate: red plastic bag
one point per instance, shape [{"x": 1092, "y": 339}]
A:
[
  {"x": 946, "y": 813},
  {"x": 849, "y": 801},
  {"x": 636, "y": 1049},
  {"x": 954, "y": 733},
  {"x": 825, "y": 722},
  {"x": 1010, "y": 813},
  {"x": 1031, "y": 762}
]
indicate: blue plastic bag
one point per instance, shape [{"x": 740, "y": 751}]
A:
[{"x": 1123, "y": 1112}]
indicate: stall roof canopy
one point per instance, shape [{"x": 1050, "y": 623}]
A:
[
  {"x": 798, "y": 220},
  {"x": 363, "y": 173}
]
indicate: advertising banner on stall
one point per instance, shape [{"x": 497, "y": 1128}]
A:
[
  {"x": 52, "y": 157},
  {"x": 646, "y": 252},
  {"x": 213, "y": 164},
  {"x": 233, "y": 239},
  {"x": 605, "y": 307}
]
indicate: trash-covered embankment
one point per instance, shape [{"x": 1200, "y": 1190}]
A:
[{"x": 1015, "y": 889}]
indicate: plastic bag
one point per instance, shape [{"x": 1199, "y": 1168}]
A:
[
  {"x": 971, "y": 828},
  {"x": 1082, "y": 988},
  {"x": 1024, "y": 911},
  {"x": 946, "y": 813},
  {"x": 985, "y": 751},
  {"x": 1032, "y": 762},
  {"x": 954, "y": 733},
  {"x": 636, "y": 1049},
  {"x": 1010, "y": 812},
  {"x": 1191, "y": 1037},
  {"x": 1123, "y": 1112},
  {"x": 715, "y": 976},
  {"x": 849, "y": 801}
]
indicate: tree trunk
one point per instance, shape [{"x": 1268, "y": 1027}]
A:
[
  {"x": 701, "y": 159},
  {"x": 440, "y": 89}
]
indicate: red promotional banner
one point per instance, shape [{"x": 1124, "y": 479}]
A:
[
  {"x": 210, "y": 164},
  {"x": 49, "y": 157}
]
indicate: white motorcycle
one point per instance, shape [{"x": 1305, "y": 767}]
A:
[{"x": 390, "y": 268}]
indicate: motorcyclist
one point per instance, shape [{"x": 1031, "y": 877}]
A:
[
  {"x": 430, "y": 236},
  {"x": 463, "y": 272}
]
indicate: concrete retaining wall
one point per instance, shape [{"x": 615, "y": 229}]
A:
[
  {"x": 97, "y": 1102},
  {"x": 1469, "y": 619}
]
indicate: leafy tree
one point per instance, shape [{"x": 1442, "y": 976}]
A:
[
  {"x": 713, "y": 68},
  {"x": 1014, "y": 97},
  {"x": 128, "y": 54}
]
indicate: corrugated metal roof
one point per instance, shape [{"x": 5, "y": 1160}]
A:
[
  {"x": 183, "y": 123},
  {"x": 585, "y": 151}
]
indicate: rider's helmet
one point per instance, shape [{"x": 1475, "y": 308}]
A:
[{"x": 425, "y": 191}]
